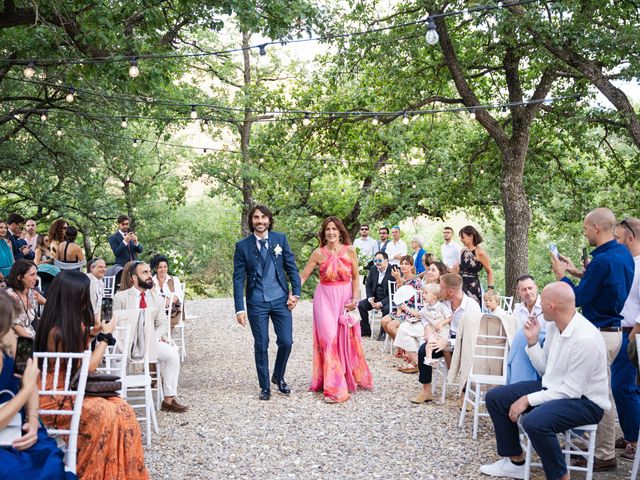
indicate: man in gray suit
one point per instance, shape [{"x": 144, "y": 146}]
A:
[{"x": 143, "y": 295}]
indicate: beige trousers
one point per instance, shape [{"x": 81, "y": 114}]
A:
[{"x": 606, "y": 433}]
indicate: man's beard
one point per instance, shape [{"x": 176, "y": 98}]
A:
[{"x": 148, "y": 285}]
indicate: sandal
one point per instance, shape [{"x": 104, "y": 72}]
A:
[{"x": 409, "y": 369}]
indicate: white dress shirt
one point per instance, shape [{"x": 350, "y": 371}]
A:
[
  {"x": 572, "y": 364},
  {"x": 631, "y": 310},
  {"x": 450, "y": 253},
  {"x": 467, "y": 304},
  {"x": 96, "y": 292},
  {"x": 367, "y": 247},
  {"x": 266, "y": 237},
  {"x": 522, "y": 314},
  {"x": 396, "y": 248}
]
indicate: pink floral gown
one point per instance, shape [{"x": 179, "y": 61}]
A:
[{"x": 339, "y": 366}]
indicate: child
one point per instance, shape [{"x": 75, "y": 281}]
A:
[
  {"x": 492, "y": 301},
  {"x": 437, "y": 317}
]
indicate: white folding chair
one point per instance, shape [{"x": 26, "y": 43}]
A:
[
  {"x": 109, "y": 284},
  {"x": 474, "y": 393},
  {"x": 64, "y": 370},
  {"x": 178, "y": 339},
  {"x": 116, "y": 357},
  {"x": 440, "y": 373},
  {"x": 506, "y": 303},
  {"x": 571, "y": 448},
  {"x": 140, "y": 383},
  {"x": 636, "y": 460},
  {"x": 387, "y": 338}
]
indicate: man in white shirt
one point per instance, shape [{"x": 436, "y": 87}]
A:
[
  {"x": 626, "y": 393},
  {"x": 574, "y": 389},
  {"x": 396, "y": 248},
  {"x": 30, "y": 236},
  {"x": 450, "y": 250},
  {"x": 366, "y": 244}
]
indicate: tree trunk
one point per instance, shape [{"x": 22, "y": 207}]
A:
[
  {"x": 245, "y": 139},
  {"x": 86, "y": 241}
]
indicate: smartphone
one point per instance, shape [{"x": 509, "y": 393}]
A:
[
  {"x": 24, "y": 351},
  {"x": 554, "y": 249},
  {"x": 585, "y": 255}
]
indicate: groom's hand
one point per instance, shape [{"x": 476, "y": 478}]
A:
[
  {"x": 292, "y": 302},
  {"x": 241, "y": 318}
]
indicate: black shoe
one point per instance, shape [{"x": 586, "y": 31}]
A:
[
  {"x": 265, "y": 394},
  {"x": 381, "y": 337},
  {"x": 282, "y": 386}
]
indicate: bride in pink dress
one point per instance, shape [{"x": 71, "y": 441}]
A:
[{"x": 339, "y": 367}]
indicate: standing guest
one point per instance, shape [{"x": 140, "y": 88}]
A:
[
  {"x": 472, "y": 259},
  {"x": 56, "y": 234},
  {"x": 602, "y": 291},
  {"x": 109, "y": 439},
  {"x": 20, "y": 247},
  {"x": 30, "y": 235},
  {"x": 6, "y": 252},
  {"x": 418, "y": 253},
  {"x": 96, "y": 269},
  {"x": 259, "y": 265},
  {"x": 43, "y": 252},
  {"x": 383, "y": 233},
  {"x": 21, "y": 286},
  {"x": 124, "y": 243},
  {"x": 69, "y": 255},
  {"x": 450, "y": 250},
  {"x": 574, "y": 389},
  {"x": 377, "y": 289},
  {"x": 366, "y": 244},
  {"x": 142, "y": 295},
  {"x": 396, "y": 248},
  {"x": 623, "y": 386},
  {"x": 33, "y": 455},
  {"x": 168, "y": 286},
  {"x": 339, "y": 366}
]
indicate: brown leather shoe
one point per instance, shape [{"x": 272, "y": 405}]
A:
[
  {"x": 621, "y": 443},
  {"x": 174, "y": 407},
  {"x": 598, "y": 465},
  {"x": 422, "y": 398},
  {"x": 629, "y": 452}
]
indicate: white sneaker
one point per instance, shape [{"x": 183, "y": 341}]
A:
[{"x": 503, "y": 468}]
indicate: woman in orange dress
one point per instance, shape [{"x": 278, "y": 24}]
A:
[
  {"x": 109, "y": 439},
  {"x": 339, "y": 366}
]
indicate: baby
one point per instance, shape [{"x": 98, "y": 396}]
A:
[{"x": 436, "y": 316}]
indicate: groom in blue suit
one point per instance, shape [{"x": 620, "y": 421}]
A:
[{"x": 259, "y": 265}]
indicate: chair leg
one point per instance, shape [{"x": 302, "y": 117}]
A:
[
  {"x": 527, "y": 459},
  {"x": 592, "y": 456},
  {"x": 148, "y": 409},
  {"x": 476, "y": 411},
  {"x": 183, "y": 350},
  {"x": 463, "y": 410},
  {"x": 443, "y": 385},
  {"x": 636, "y": 464}
]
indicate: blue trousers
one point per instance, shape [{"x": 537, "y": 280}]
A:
[
  {"x": 542, "y": 423},
  {"x": 280, "y": 314},
  {"x": 625, "y": 392}
]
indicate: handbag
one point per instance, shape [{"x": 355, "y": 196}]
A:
[
  {"x": 99, "y": 384},
  {"x": 13, "y": 430},
  {"x": 176, "y": 308}
]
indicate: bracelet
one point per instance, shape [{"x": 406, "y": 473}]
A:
[
  {"x": 490, "y": 287},
  {"x": 106, "y": 337}
]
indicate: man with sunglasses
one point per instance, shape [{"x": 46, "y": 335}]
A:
[
  {"x": 377, "y": 293},
  {"x": 623, "y": 373},
  {"x": 603, "y": 289},
  {"x": 365, "y": 243},
  {"x": 124, "y": 243}
]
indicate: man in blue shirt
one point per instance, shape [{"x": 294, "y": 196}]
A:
[{"x": 604, "y": 286}]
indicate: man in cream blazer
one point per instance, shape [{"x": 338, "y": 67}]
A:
[{"x": 143, "y": 295}]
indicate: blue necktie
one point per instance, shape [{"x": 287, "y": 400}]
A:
[{"x": 263, "y": 250}]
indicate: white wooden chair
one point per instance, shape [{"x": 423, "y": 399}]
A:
[
  {"x": 487, "y": 349},
  {"x": 506, "y": 303},
  {"x": 440, "y": 373},
  {"x": 178, "y": 339},
  {"x": 63, "y": 367},
  {"x": 140, "y": 383},
  {"x": 387, "y": 338},
  {"x": 636, "y": 460},
  {"x": 109, "y": 283},
  {"x": 116, "y": 357},
  {"x": 570, "y": 448}
]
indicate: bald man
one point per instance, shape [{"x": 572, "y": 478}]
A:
[
  {"x": 573, "y": 390},
  {"x": 603, "y": 289}
]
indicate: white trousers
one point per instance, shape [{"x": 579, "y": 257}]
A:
[{"x": 169, "y": 363}]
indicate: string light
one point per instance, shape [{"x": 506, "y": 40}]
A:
[
  {"x": 134, "y": 71},
  {"x": 405, "y": 119},
  {"x": 135, "y": 143},
  {"x": 472, "y": 113},
  {"x": 124, "y": 122},
  {"x": 262, "y": 49},
  {"x": 375, "y": 121},
  {"x": 439, "y": 169},
  {"x": 71, "y": 95},
  {"x": 204, "y": 150},
  {"x": 306, "y": 120},
  {"x": 29, "y": 70},
  {"x": 194, "y": 113},
  {"x": 432, "y": 36},
  {"x": 261, "y": 160},
  {"x": 43, "y": 117},
  {"x": 482, "y": 171},
  {"x": 59, "y": 133}
]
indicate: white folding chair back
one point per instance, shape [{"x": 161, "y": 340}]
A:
[
  {"x": 636, "y": 460},
  {"x": 178, "y": 338},
  {"x": 109, "y": 284},
  {"x": 506, "y": 303},
  {"x": 392, "y": 292},
  {"x": 489, "y": 367},
  {"x": 116, "y": 357},
  {"x": 63, "y": 364}
]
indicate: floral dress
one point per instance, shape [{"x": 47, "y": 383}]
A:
[
  {"x": 470, "y": 268},
  {"x": 416, "y": 283}
]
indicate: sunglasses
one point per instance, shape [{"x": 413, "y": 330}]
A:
[
  {"x": 378, "y": 260},
  {"x": 364, "y": 228},
  {"x": 625, "y": 224}
]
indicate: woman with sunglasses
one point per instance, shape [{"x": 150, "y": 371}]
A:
[{"x": 56, "y": 234}]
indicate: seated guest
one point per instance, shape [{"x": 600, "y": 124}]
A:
[
  {"x": 43, "y": 253},
  {"x": 460, "y": 304},
  {"x": 492, "y": 302},
  {"x": 519, "y": 367},
  {"x": 21, "y": 286},
  {"x": 109, "y": 442},
  {"x": 56, "y": 234},
  {"x": 427, "y": 323},
  {"x": 418, "y": 253},
  {"x": 96, "y": 269},
  {"x": 141, "y": 294},
  {"x": 32, "y": 454},
  {"x": 19, "y": 245},
  {"x": 168, "y": 286},
  {"x": 406, "y": 275},
  {"x": 377, "y": 289},
  {"x": 6, "y": 252},
  {"x": 69, "y": 255},
  {"x": 574, "y": 389}
]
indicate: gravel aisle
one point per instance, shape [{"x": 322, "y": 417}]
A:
[{"x": 229, "y": 433}]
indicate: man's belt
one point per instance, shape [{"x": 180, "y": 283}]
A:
[
  {"x": 610, "y": 329},
  {"x": 627, "y": 329}
]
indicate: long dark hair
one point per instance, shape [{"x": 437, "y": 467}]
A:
[
  {"x": 17, "y": 272},
  {"x": 344, "y": 235},
  {"x": 157, "y": 260},
  {"x": 56, "y": 230},
  {"x": 8, "y": 311},
  {"x": 476, "y": 238},
  {"x": 265, "y": 211},
  {"x": 67, "y": 311}
]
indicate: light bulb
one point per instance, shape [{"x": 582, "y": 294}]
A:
[
  {"x": 43, "y": 117},
  {"x": 413, "y": 186},
  {"x": 375, "y": 120},
  {"x": 59, "y": 133},
  {"x": 193, "y": 114},
  {"x": 263, "y": 49},
  {"x": 294, "y": 127},
  {"x": 70, "y": 96},
  {"x": 124, "y": 122},
  {"x": 29, "y": 70},
  {"x": 472, "y": 114},
  {"x": 325, "y": 165},
  {"x": 306, "y": 120},
  {"x": 135, "y": 143},
  {"x": 134, "y": 71},
  {"x": 204, "y": 150},
  {"x": 261, "y": 160},
  {"x": 432, "y": 36},
  {"x": 405, "y": 119},
  {"x": 455, "y": 179},
  {"x": 482, "y": 171},
  {"x": 439, "y": 169}
]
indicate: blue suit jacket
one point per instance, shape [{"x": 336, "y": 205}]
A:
[
  {"x": 121, "y": 250},
  {"x": 16, "y": 245},
  {"x": 245, "y": 266}
]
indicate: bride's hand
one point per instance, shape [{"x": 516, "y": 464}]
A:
[{"x": 351, "y": 305}]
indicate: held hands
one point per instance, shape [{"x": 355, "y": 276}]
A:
[
  {"x": 518, "y": 407},
  {"x": 532, "y": 330},
  {"x": 292, "y": 302},
  {"x": 241, "y": 318}
]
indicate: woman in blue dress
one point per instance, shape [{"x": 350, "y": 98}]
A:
[
  {"x": 6, "y": 253},
  {"x": 33, "y": 455}
]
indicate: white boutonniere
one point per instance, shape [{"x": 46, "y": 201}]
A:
[{"x": 277, "y": 250}]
